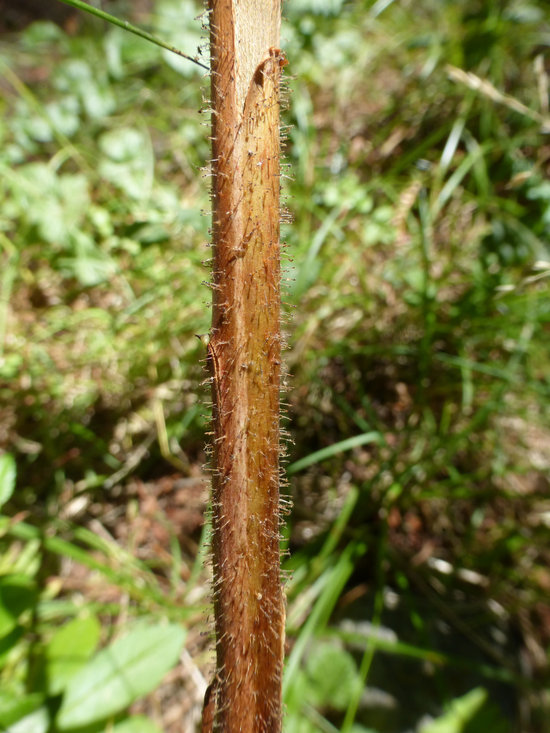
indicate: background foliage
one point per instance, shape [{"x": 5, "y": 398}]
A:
[{"x": 417, "y": 321}]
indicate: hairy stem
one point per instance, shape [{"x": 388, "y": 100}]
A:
[{"x": 244, "y": 355}]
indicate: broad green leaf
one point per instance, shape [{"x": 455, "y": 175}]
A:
[
  {"x": 98, "y": 100},
  {"x": 7, "y": 477},
  {"x": 17, "y": 594},
  {"x": 74, "y": 195},
  {"x": 315, "y": 7},
  {"x": 123, "y": 144},
  {"x": 10, "y": 366},
  {"x": 88, "y": 264},
  {"x": 36, "y": 722},
  {"x": 128, "y": 669},
  {"x": 136, "y": 724},
  {"x": 64, "y": 115},
  {"x": 178, "y": 25},
  {"x": 40, "y": 32},
  {"x": 124, "y": 49},
  {"x": 8, "y": 641},
  {"x": 54, "y": 204},
  {"x": 37, "y": 128},
  {"x": 332, "y": 676},
  {"x": 72, "y": 74},
  {"x": 127, "y": 161},
  {"x": 14, "y": 706},
  {"x": 77, "y": 75},
  {"x": 300, "y": 725},
  {"x": 69, "y": 650}
]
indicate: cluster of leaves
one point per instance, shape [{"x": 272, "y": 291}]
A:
[
  {"x": 53, "y": 677},
  {"x": 99, "y": 252}
]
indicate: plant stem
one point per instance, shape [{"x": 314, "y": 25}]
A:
[{"x": 244, "y": 354}]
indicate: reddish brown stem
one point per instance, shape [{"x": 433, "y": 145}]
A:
[{"x": 244, "y": 355}]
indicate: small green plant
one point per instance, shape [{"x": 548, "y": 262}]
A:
[{"x": 53, "y": 676}]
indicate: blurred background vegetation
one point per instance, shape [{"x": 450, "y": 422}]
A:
[{"x": 417, "y": 261}]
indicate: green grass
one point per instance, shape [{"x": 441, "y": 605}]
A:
[{"x": 417, "y": 322}]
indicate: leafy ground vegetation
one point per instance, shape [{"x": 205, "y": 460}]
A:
[{"x": 417, "y": 318}]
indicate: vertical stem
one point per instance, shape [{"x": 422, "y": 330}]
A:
[{"x": 244, "y": 357}]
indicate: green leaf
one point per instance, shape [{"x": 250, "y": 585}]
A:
[
  {"x": 177, "y": 23},
  {"x": 36, "y": 722},
  {"x": 77, "y": 75},
  {"x": 332, "y": 677},
  {"x": 122, "y": 145},
  {"x": 14, "y": 707},
  {"x": 10, "y": 366},
  {"x": 7, "y": 477},
  {"x": 136, "y": 724},
  {"x": 127, "y": 161},
  {"x": 74, "y": 196},
  {"x": 69, "y": 650},
  {"x": 128, "y": 669},
  {"x": 64, "y": 115},
  {"x": 17, "y": 594},
  {"x": 54, "y": 204},
  {"x": 20, "y": 713},
  {"x": 333, "y": 450},
  {"x": 129, "y": 27},
  {"x": 89, "y": 265},
  {"x": 40, "y": 32},
  {"x": 316, "y": 7},
  {"x": 471, "y": 712},
  {"x": 8, "y": 642}
]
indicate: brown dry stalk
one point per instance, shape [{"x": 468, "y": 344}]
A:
[{"x": 244, "y": 355}]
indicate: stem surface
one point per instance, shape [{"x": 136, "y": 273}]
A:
[{"x": 244, "y": 354}]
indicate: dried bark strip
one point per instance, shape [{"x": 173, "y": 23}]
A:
[{"x": 244, "y": 356}]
